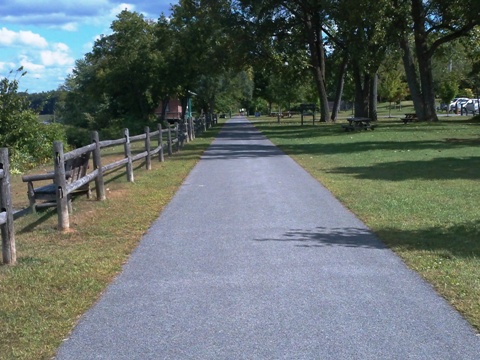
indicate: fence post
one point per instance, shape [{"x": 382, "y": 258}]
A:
[
  {"x": 186, "y": 134},
  {"x": 8, "y": 236},
  {"x": 97, "y": 165},
  {"x": 128, "y": 155},
  {"x": 192, "y": 127},
  {"x": 177, "y": 133},
  {"x": 160, "y": 143},
  {"x": 148, "y": 161},
  {"x": 61, "y": 186},
  {"x": 169, "y": 134}
]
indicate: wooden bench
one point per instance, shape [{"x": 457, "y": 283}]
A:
[
  {"x": 409, "y": 117},
  {"x": 75, "y": 169}
]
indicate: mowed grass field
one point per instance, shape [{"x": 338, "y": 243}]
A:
[{"x": 416, "y": 186}]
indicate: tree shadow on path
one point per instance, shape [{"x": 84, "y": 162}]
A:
[{"x": 320, "y": 237}]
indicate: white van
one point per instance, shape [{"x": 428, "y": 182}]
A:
[
  {"x": 456, "y": 104},
  {"x": 472, "y": 107}
]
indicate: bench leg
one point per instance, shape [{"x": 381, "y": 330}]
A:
[{"x": 31, "y": 198}]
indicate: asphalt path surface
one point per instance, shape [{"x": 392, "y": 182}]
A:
[{"x": 254, "y": 259}]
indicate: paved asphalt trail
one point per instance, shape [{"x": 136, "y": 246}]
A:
[{"x": 254, "y": 259}]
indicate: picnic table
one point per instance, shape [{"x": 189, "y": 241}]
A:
[
  {"x": 409, "y": 117},
  {"x": 358, "y": 123}
]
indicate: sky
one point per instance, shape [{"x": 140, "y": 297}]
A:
[{"x": 46, "y": 37}]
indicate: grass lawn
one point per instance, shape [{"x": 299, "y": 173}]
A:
[
  {"x": 416, "y": 186},
  {"x": 60, "y": 275}
]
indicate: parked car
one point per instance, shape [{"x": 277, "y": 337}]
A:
[
  {"x": 442, "y": 106},
  {"x": 456, "y": 104},
  {"x": 471, "y": 107}
]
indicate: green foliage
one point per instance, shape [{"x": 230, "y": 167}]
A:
[
  {"x": 391, "y": 84},
  {"x": 466, "y": 92},
  {"x": 77, "y": 137},
  {"x": 116, "y": 84},
  {"x": 448, "y": 90},
  {"x": 29, "y": 141}
]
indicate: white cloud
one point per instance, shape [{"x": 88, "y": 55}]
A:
[
  {"x": 61, "y": 47},
  {"x": 7, "y": 66},
  {"x": 71, "y": 26},
  {"x": 120, "y": 7},
  {"x": 7, "y": 37},
  {"x": 29, "y": 66},
  {"x": 12, "y": 38},
  {"x": 51, "y": 58},
  {"x": 31, "y": 39}
]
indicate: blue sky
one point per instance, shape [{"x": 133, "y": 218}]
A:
[{"x": 47, "y": 36}]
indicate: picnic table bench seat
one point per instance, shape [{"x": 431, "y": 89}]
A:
[
  {"x": 44, "y": 196},
  {"x": 409, "y": 117}
]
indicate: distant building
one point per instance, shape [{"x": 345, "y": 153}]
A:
[{"x": 173, "y": 111}]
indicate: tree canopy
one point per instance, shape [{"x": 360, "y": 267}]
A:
[{"x": 244, "y": 53}]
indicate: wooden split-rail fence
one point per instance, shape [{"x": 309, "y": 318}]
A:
[
  {"x": 6, "y": 210},
  {"x": 176, "y": 137}
]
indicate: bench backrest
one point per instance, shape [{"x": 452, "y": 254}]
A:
[{"x": 76, "y": 168}]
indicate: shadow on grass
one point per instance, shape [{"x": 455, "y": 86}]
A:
[
  {"x": 434, "y": 169},
  {"x": 460, "y": 240},
  {"x": 386, "y": 125},
  {"x": 319, "y": 148},
  {"x": 42, "y": 216}
]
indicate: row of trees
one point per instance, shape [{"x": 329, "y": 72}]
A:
[
  {"x": 358, "y": 36},
  {"x": 255, "y": 53},
  {"x": 245, "y": 53},
  {"x": 123, "y": 79}
]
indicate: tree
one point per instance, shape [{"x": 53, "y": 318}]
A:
[
  {"x": 203, "y": 48},
  {"x": 297, "y": 23},
  {"x": 118, "y": 83},
  {"x": 424, "y": 26},
  {"x": 392, "y": 86},
  {"x": 448, "y": 90},
  {"x": 362, "y": 30},
  {"x": 127, "y": 68}
]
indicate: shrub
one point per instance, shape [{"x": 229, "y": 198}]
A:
[{"x": 29, "y": 141}]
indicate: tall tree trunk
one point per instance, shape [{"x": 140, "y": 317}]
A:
[
  {"x": 165, "y": 102},
  {"x": 362, "y": 91},
  {"x": 372, "y": 106},
  {"x": 317, "y": 57},
  {"x": 412, "y": 79},
  {"x": 339, "y": 90},
  {"x": 424, "y": 58}
]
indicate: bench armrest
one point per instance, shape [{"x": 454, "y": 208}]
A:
[{"x": 38, "y": 177}]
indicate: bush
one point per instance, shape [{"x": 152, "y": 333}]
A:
[
  {"x": 77, "y": 137},
  {"x": 29, "y": 141}
]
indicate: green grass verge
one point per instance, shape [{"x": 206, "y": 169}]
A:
[
  {"x": 416, "y": 186},
  {"x": 60, "y": 275}
]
